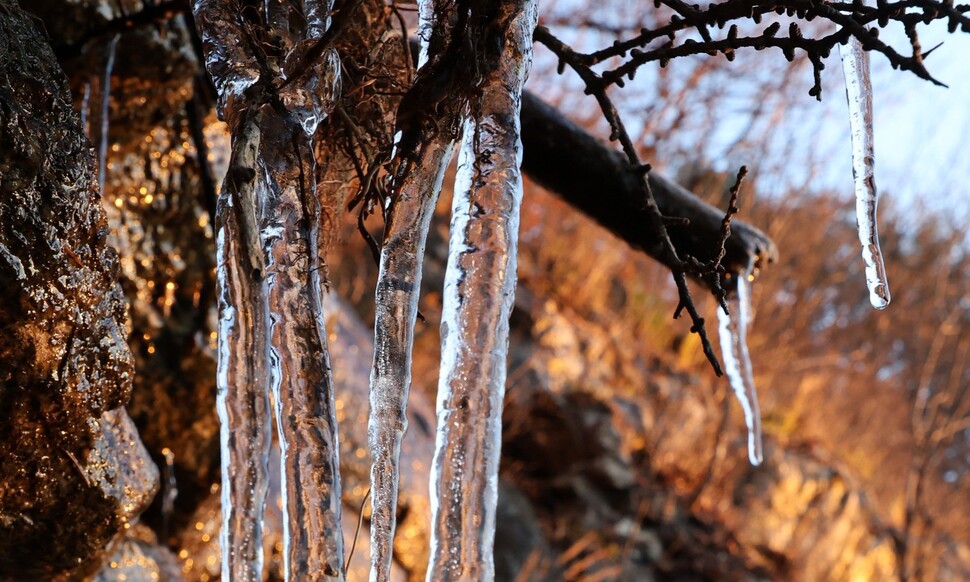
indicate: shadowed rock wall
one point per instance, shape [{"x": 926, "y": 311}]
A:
[{"x": 74, "y": 473}]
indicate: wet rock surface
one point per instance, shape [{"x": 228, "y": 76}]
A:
[{"x": 74, "y": 472}]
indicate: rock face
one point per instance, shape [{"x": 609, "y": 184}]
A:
[{"x": 74, "y": 473}]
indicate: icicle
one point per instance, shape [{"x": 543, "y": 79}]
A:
[
  {"x": 479, "y": 287},
  {"x": 398, "y": 290},
  {"x": 416, "y": 191},
  {"x": 479, "y": 292},
  {"x": 306, "y": 416},
  {"x": 300, "y": 364},
  {"x": 271, "y": 242},
  {"x": 242, "y": 377},
  {"x": 242, "y": 402},
  {"x": 86, "y": 110},
  {"x": 858, "y": 90},
  {"x": 732, "y": 332},
  {"x": 170, "y": 491},
  {"x": 105, "y": 111}
]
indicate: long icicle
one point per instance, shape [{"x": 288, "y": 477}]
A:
[
  {"x": 242, "y": 401},
  {"x": 106, "y": 110},
  {"x": 299, "y": 361},
  {"x": 478, "y": 296},
  {"x": 421, "y": 160},
  {"x": 242, "y": 375},
  {"x": 302, "y": 382},
  {"x": 277, "y": 212},
  {"x": 398, "y": 290},
  {"x": 858, "y": 91},
  {"x": 732, "y": 332}
]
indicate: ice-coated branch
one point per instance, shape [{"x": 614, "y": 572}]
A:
[
  {"x": 423, "y": 151},
  {"x": 858, "y": 92},
  {"x": 242, "y": 379},
  {"x": 299, "y": 360},
  {"x": 478, "y": 296},
  {"x": 228, "y": 59},
  {"x": 300, "y": 365}
]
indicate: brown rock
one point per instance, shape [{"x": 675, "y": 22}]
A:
[{"x": 73, "y": 470}]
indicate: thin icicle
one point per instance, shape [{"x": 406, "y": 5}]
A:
[
  {"x": 105, "y": 111},
  {"x": 242, "y": 373},
  {"x": 733, "y": 329},
  {"x": 86, "y": 110},
  {"x": 421, "y": 159},
  {"x": 478, "y": 294},
  {"x": 858, "y": 91},
  {"x": 398, "y": 290},
  {"x": 242, "y": 401},
  {"x": 300, "y": 363}
]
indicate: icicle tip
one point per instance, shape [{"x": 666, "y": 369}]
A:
[
  {"x": 879, "y": 296},
  {"x": 755, "y": 449}
]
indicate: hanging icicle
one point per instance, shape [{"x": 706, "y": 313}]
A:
[
  {"x": 242, "y": 381},
  {"x": 303, "y": 389},
  {"x": 271, "y": 331},
  {"x": 732, "y": 332},
  {"x": 109, "y": 64},
  {"x": 242, "y": 401},
  {"x": 479, "y": 291},
  {"x": 858, "y": 91},
  {"x": 300, "y": 364},
  {"x": 421, "y": 159}
]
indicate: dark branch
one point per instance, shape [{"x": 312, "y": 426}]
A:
[
  {"x": 594, "y": 178},
  {"x": 654, "y": 218}
]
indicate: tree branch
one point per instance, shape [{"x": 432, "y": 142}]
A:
[{"x": 595, "y": 179}]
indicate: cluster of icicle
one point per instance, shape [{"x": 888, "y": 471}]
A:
[
  {"x": 478, "y": 295},
  {"x": 272, "y": 345}
]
